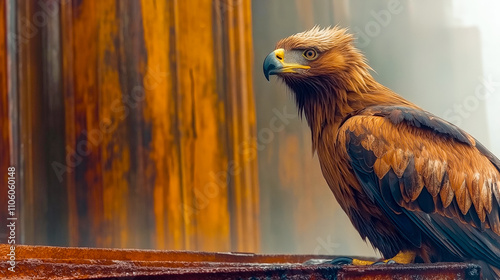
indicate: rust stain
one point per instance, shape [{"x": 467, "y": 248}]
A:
[
  {"x": 115, "y": 153},
  {"x": 232, "y": 19},
  {"x": 86, "y": 178},
  {"x": 160, "y": 101},
  {"x": 207, "y": 223},
  {"x": 69, "y": 104}
]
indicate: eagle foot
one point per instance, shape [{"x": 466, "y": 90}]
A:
[
  {"x": 403, "y": 257},
  {"x": 342, "y": 261},
  {"x": 389, "y": 261}
]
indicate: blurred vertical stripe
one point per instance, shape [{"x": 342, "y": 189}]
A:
[{"x": 132, "y": 116}]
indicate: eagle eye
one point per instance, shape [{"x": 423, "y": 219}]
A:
[{"x": 310, "y": 54}]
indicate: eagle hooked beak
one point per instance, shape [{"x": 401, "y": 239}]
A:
[{"x": 275, "y": 64}]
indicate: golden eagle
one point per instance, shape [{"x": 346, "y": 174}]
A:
[{"x": 415, "y": 185}]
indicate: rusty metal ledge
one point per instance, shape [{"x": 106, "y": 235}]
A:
[{"x": 42, "y": 262}]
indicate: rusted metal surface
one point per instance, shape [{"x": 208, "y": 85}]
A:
[{"x": 40, "y": 262}]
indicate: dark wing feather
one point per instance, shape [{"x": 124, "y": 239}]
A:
[
  {"x": 368, "y": 178},
  {"x": 423, "y": 171},
  {"x": 419, "y": 119}
]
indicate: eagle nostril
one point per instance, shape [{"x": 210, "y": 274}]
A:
[{"x": 279, "y": 57}]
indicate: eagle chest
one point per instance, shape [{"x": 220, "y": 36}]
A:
[
  {"x": 345, "y": 186},
  {"x": 339, "y": 174}
]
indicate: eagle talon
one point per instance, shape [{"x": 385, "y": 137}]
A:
[
  {"x": 384, "y": 262},
  {"x": 341, "y": 261}
]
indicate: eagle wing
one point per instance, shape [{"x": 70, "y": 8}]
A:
[{"x": 415, "y": 165}]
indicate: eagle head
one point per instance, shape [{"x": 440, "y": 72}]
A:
[
  {"x": 318, "y": 56},
  {"x": 327, "y": 74}
]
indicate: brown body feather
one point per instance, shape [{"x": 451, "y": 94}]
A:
[{"x": 407, "y": 179}]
